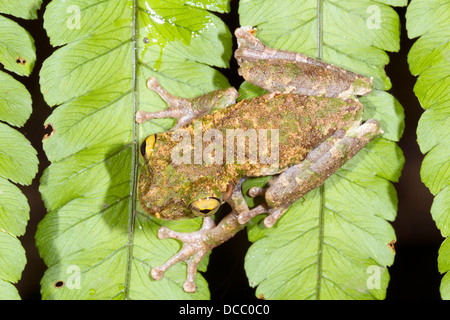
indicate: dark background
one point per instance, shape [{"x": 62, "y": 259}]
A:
[{"x": 414, "y": 274}]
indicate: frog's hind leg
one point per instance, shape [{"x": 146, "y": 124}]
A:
[
  {"x": 276, "y": 212},
  {"x": 198, "y": 243},
  {"x": 312, "y": 172},
  {"x": 287, "y": 71},
  {"x": 185, "y": 110}
]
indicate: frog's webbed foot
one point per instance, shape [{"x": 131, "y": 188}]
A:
[
  {"x": 270, "y": 220},
  {"x": 311, "y": 173},
  {"x": 186, "y": 110},
  {"x": 274, "y": 213},
  {"x": 251, "y": 48},
  {"x": 198, "y": 243},
  {"x": 193, "y": 250},
  {"x": 178, "y": 107}
]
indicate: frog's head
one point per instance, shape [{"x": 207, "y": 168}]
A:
[{"x": 168, "y": 193}]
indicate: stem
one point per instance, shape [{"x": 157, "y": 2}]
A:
[
  {"x": 134, "y": 152},
  {"x": 319, "y": 29},
  {"x": 319, "y": 56},
  {"x": 321, "y": 237}
]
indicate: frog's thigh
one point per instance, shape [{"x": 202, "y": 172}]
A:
[{"x": 326, "y": 159}]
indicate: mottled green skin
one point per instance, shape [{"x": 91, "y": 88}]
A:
[
  {"x": 316, "y": 100},
  {"x": 319, "y": 123},
  {"x": 304, "y": 78},
  {"x": 166, "y": 189}
]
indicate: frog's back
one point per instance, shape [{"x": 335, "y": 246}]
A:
[{"x": 302, "y": 122}]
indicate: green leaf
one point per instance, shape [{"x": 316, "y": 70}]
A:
[
  {"x": 15, "y": 101},
  {"x": 14, "y": 209},
  {"x": 17, "y": 51},
  {"x": 8, "y": 291},
  {"x": 387, "y": 110},
  {"x": 440, "y": 212},
  {"x": 444, "y": 267},
  {"x": 334, "y": 243},
  {"x": 95, "y": 239},
  {"x": 14, "y": 214},
  {"x": 12, "y": 259},
  {"x": 289, "y": 24},
  {"x": 18, "y": 160},
  {"x": 428, "y": 59},
  {"x": 444, "y": 254},
  {"x": 26, "y": 9}
]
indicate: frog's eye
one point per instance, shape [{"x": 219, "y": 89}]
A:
[
  {"x": 147, "y": 146},
  {"x": 205, "y": 207}
]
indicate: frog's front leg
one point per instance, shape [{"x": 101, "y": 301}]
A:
[
  {"x": 198, "y": 243},
  {"x": 312, "y": 172},
  {"x": 186, "y": 110}
]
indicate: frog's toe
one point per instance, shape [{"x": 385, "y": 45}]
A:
[
  {"x": 246, "y": 216},
  {"x": 157, "y": 273},
  {"x": 269, "y": 221},
  {"x": 166, "y": 233},
  {"x": 141, "y": 116},
  {"x": 192, "y": 264},
  {"x": 192, "y": 254},
  {"x": 256, "y": 191},
  {"x": 274, "y": 215},
  {"x": 189, "y": 286},
  {"x": 153, "y": 83}
]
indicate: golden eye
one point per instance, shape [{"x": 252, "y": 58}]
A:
[
  {"x": 205, "y": 207},
  {"x": 147, "y": 146}
]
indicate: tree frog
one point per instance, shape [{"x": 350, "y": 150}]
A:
[{"x": 312, "y": 114}]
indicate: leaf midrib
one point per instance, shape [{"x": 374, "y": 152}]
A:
[
  {"x": 319, "y": 35},
  {"x": 135, "y": 160}
]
